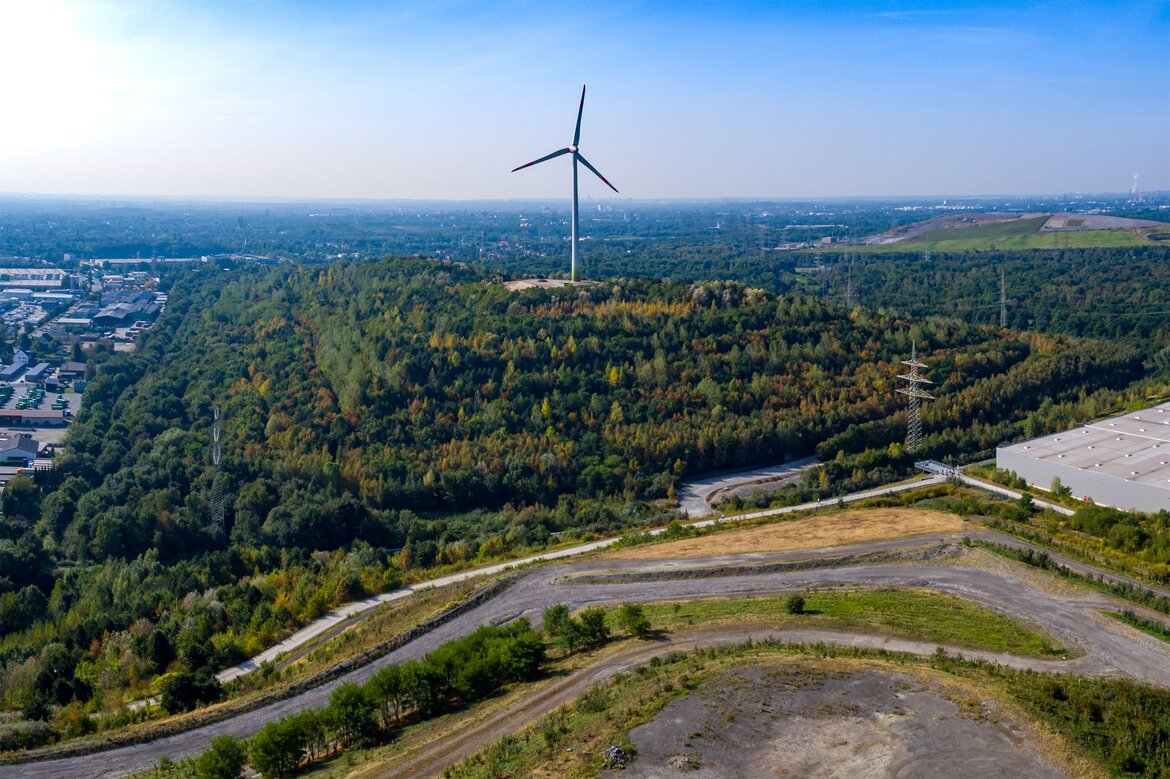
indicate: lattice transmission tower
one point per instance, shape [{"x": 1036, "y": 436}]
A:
[
  {"x": 217, "y": 528},
  {"x": 913, "y": 390}
]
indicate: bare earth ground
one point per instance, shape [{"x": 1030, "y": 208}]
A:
[
  {"x": 696, "y": 495},
  {"x": 846, "y": 527},
  {"x": 1102, "y": 648},
  {"x": 784, "y": 720},
  {"x": 418, "y": 755}
]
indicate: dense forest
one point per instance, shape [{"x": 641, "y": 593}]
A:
[
  {"x": 390, "y": 416},
  {"x": 1105, "y": 293}
]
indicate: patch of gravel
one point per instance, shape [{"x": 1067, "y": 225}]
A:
[
  {"x": 1045, "y": 581},
  {"x": 761, "y": 721}
]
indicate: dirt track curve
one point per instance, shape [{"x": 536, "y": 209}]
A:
[{"x": 1103, "y": 647}]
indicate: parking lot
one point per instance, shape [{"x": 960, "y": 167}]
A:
[{"x": 19, "y": 395}]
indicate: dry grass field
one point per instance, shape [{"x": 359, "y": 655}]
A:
[{"x": 845, "y": 527}]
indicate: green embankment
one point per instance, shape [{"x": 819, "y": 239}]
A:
[{"x": 925, "y": 616}]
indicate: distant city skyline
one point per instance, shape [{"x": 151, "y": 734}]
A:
[{"x": 359, "y": 99}]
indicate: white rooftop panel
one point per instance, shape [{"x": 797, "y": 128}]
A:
[{"x": 1134, "y": 447}]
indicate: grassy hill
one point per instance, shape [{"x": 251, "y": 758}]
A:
[{"x": 1023, "y": 233}]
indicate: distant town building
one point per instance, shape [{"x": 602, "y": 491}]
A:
[
  {"x": 14, "y": 368},
  {"x": 31, "y": 417},
  {"x": 127, "y": 296},
  {"x": 22, "y": 448},
  {"x": 37, "y": 373},
  {"x": 71, "y": 371},
  {"x": 41, "y": 278},
  {"x": 121, "y": 314}
]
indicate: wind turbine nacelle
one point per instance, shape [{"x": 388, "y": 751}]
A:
[{"x": 573, "y": 149}]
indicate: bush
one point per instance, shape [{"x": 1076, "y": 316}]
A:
[
  {"x": 25, "y": 735},
  {"x": 278, "y": 748},
  {"x": 631, "y": 618},
  {"x": 351, "y": 716},
  {"x": 185, "y": 690},
  {"x": 225, "y": 759},
  {"x": 556, "y": 620},
  {"x": 593, "y": 629},
  {"x": 795, "y": 603}
]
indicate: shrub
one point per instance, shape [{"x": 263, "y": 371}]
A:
[
  {"x": 631, "y": 618},
  {"x": 795, "y": 603},
  {"x": 185, "y": 690},
  {"x": 556, "y": 620},
  {"x": 593, "y": 629},
  {"x": 225, "y": 759},
  {"x": 278, "y": 748},
  {"x": 25, "y": 735},
  {"x": 351, "y": 716}
]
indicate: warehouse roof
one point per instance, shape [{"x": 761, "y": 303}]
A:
[{"x": 1134, "y": 447}]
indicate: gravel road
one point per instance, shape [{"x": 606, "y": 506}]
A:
[
  {"x": 693, "y": 495},
  {"x": 1103, "y": 647}
]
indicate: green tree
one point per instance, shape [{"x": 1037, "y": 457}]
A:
[
  {"x": 186, "y": 690},
  {"x": 593, "y": 628},
  {"x": 386, "y": 690},
  {"x": 794, "y": 604},
  {"x": 523, "y": 652},
  {"x": 224, "y": 760},
  {"x": 21, "y": 498},
  {"x": 351, "y": 716},
  {"x": 631, "y": 617},
  {"x": 278, "y": 749},
  {"x": 556, "y": 620}
]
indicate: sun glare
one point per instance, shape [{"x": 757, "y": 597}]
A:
[{"x": 58, "y": 77}]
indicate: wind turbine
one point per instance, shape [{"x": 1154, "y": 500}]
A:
[{"x": 575, "y": 151}]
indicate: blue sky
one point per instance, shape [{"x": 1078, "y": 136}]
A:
[{"x": 686, "y": 99}]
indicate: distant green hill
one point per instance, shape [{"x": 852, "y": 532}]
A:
[{"x": 968, "y": 233}]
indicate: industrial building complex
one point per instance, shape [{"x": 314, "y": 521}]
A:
[{"x": 1122, "y": 461}]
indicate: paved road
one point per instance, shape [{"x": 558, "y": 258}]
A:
[
  {"x": 342, "y": 613},
  {"x": 693, "y": 495},
  {"x": 1103, "y": 646},
  {"x": 1014, "y": 494}
]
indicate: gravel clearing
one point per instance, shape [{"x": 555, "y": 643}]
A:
[{"x": 768, "y": 721}]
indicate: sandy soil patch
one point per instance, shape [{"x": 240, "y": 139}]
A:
[
  {"x": 844, "y": 527},
  {"x": 761, "y": 721}
]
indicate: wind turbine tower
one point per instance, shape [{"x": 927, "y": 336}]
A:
[{"x": 574, "y": 150}]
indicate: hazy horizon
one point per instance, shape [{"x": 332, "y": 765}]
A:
[
  {"x": 615, "y": 200},
  {"x": 362, "y": 100}
]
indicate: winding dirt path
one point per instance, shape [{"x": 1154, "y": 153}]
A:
[
  {"x": 1104, "y": 647},
  {"x": 431, "y": 759}
]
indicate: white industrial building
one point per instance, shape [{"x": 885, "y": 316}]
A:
[{"x": 1122, "y": 461}]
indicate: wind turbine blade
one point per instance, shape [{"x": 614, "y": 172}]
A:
[
  {"x": 580, "y": 109},
  {"x": 596, "y": 172},
  {"x": 565, "y": 150}
]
